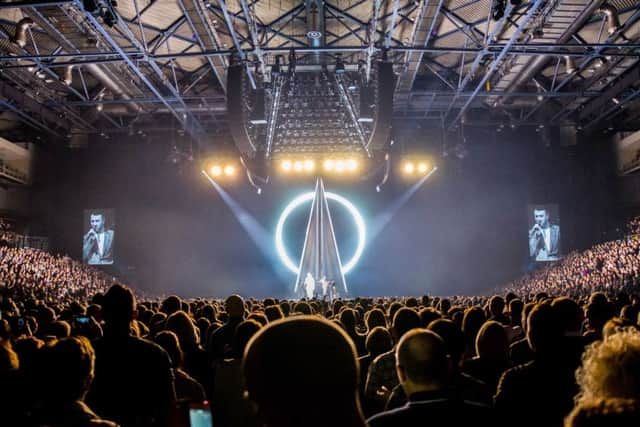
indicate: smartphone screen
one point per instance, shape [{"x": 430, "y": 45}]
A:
[
  {"x": 200, "y": 417},
  {"x": 82, "y": 320}
]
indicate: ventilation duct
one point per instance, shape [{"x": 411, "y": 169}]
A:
[
  {"x": 20, "y": 36},
  {"x": 67, "y": 77},
  {"x": 70, "y": 32},
  {"x": 569, "y": 65},
  {"x": 613, "y": 20}
]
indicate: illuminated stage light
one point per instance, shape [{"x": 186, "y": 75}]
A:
[
  {"x": 409, "y": 168},
  {"x": 305, "y": 198},
  {"x": 329, "y": 165},
  {"x": 286, "y": 165},
  {"x": 216, "y": 170},
  {"x": 340, "y": 166},
  {"x": 423, "y": 167},
  {"x": 309, "y": 165},
  {"x": 298, "y": 166},
  {"x": 352, "y": 165},
  {"x": 229, "y": 170}
]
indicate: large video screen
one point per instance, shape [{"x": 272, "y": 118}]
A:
[
  {"x": 99, "y": 236},
  {"x": 544, "y": 233}
]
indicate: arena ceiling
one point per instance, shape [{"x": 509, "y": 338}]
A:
[{"x": 89, "y": 67}]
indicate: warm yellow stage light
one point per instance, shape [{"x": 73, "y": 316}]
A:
[
  {"x": 409, "y": 168},
  {"x": 340, "y": 166},
  {"x": 423, "y": 167},
  {"x": 352, "y": 165},
  {"x": 298, "y": 166},
  {"x": 309, "y": 165},
  {"x": 229, "y": 170},
  {"x": 329, "y": 165},
  {"x": 216, "y": 170},
  {"x": 286, "y": 165}
]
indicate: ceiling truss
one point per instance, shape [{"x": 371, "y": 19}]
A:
[{"x": 454, "y": 59}]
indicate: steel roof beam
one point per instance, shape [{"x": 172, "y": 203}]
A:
[
  {"x": 189, "y": 122},
  {"x": 359, "y": 21},
  {"x": 420, "y": 36},
  {"x": 477, "y": 62},
  {"x": 257, "y": 48},
  {"x": 236, "y": 42},
  {"x": 69, "y": 47},
  {"x": 620, "y": 50},
  {"x": 371, "y": 49},
  {"x": 34, "y": 3},
  {"x": 595, "y": 52},
  {"x": 498, "y": 60},
  {"x": 615, "y": 109},
  {"x": 33, "y": 109},
  {"x": 206, "y": 38}
]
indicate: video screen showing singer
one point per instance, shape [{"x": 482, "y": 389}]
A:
[
  {"x": 97, "y": 247},
  {"x": 544, "y": 236}
]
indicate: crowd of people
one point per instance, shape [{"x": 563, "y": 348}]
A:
[
  {"x": 612, "y": 266},
  {"x": 539, "y": 361},
  {"x": 558, "y": 347},
  {"x": 33, "y": 273}
]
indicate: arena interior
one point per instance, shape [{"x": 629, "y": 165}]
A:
[{"x": 349, "y": 213}]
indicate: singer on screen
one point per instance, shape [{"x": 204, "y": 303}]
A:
[
  {"x": 544, "y": 237},
  {"x": 98, "y": 242}
]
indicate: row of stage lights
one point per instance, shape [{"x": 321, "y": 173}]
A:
[
  {"x": 222, "y": 170},
  {"x": 410, "y": 167},
  {"x": 308, "y": 166}
]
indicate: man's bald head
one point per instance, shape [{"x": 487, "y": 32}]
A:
[{"x": 422, "y": 358}]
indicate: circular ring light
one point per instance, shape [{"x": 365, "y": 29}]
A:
[{"x": 307, "y": 197}]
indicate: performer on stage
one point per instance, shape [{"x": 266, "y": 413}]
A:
[
  {"x": 309, "y": 285},
  {"x": 324, "y": 283},
  {"x": 333, "y": 290}
]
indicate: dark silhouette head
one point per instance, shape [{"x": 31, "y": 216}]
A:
[
  {"x": 378, "y": 341},
  {"x": 234, "y": 305},
  {"x": 404, "y": 320},
  {"x": 422, "y": 362},
  {"x": 428, "y": 315},
  {"x": 70, "y": 364},
  {"x": 452, "y": 337},
  {"x": 375, "y": 318},
  {"x": 181, "y": 324},
  {"x": 492, "y": 343},
  {"x": 118, "y": 308},
  {"x": 242, "y": 334},
  {"x": 544, "y": 331},
  {"x": 569, "y": 314},
  {"x": 169, "y": 341},
  {"x": 273, "y": 312},
  {"x": 170, "y": 305},
  {"x": 321, "y": 359}
]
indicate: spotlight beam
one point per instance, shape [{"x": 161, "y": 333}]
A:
[
  {"x": 384, "y": 218},
  {"x": 260, "y": 236}
]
